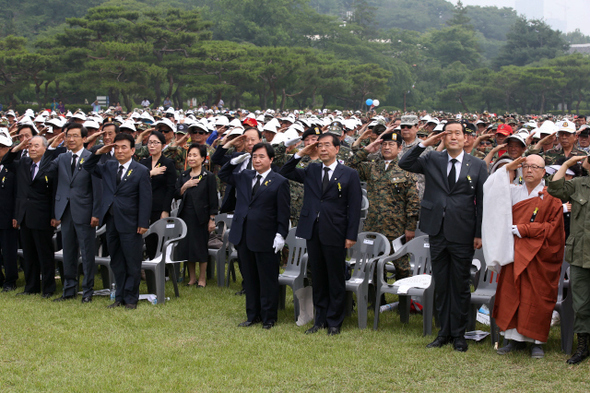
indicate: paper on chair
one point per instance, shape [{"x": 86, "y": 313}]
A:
[{"x": 419, "y": 281}]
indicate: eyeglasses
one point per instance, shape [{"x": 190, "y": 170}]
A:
[
  {"x": 485, "y": 143},
  {"x": 70, "y": 136},
  {"x": 154, "y": 143},
  {"x": 532, "y": 167},
  {"x": 404, "y": 127},
  {"x": 199, "y": 132}
]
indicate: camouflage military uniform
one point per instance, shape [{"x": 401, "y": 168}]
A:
[
  {"x": 404, "y": 148},
  {"x": 554, "y": 154},
  {"x": 281, "y": 157},
  {"x": 478, "y": 154},
  {"x": 393, "y": 201},
  {"x": 344, "y": 153}
]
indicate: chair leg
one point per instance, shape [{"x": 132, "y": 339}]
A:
[
  {"x": 362, "y": 305},
  {"x": 404, "y": 308},
  {"x": 172, "y": 273},
  {"x": 220, "y": 267},
  {"x": 160, "y": 278},
  {"x": 377, "y": 307}
]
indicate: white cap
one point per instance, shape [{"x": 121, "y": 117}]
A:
[
  {"x": 167, "y": 122},
  {"x": 199, "y": 125},
  {"x": 235, "y": 123},
  {"x": 29, "y": 112},
  {"x": 79, "y": 115},
  {"x": 5, "y": 139},
  {"x": 56, "y": 122},
  {"x": 39, "y": 119},
  {"x": 270, "y": 126},
  {"x": 566, "y": 126},
  {"x": 128, "y": 124},
  {"x": 91, "y": 124},
  {"x": 235, "y": 131},
  {"x": 222, "y": 121}
]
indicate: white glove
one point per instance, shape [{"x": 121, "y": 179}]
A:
[
  {"x": 239, "y": 159},
  {"x": 292, "y": 142},
  {"x": 278, "y": 243},
  {"x": 515, "y": 231}
]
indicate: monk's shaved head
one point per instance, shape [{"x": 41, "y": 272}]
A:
[
  {"x": 535, "y": 159},
  {"x": 533, "y": 171}
]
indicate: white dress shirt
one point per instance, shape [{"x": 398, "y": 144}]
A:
[{"x": 458, "y": 164}]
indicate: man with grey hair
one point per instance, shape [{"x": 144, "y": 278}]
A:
[{"x": 34, "y": 215}]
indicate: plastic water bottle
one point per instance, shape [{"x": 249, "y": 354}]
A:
[
  {"x": 155, "y": 300},
  {"x": 113, "y": 290},
  {"x": 389, "y": 307}
]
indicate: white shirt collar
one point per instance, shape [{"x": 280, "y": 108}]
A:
[
  {"x": 459, "y": 158},
  {"x": 126, "y": 165},
  {"x": 264, "y": 175},
  {"x": 78, "y": 153},
  {"x": 331, "y": 166}
]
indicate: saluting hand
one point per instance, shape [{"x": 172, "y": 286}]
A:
[
  {"x": 105, "y": 149},
  {"x": 309, "y": 150},
  {"x": 434, "y": 139},
  {"x": 22, "y": 145}
]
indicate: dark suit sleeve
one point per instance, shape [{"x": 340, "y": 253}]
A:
[
  {"x": 219, "y": 157},
  {"x": 9, "y": 158},
  {"x": 481, "y": 179},
  {"x": 96, "y": 196},
  {"x": 145, "y": 200},
  {"x": 284, "y": 209},
  {"x": 411, "y": 161},
  {"x": 226, "y": 173},
  {"x": 179, "y": 184},
  {"x": 213, "y": 200},
  {"x": 93, "y": 167},
  {"x": 354, "y": 206},
  {"x": 170, "y": 186},
  {"x": 291, "y": 172},
  {"x": 48, "y": 162}
]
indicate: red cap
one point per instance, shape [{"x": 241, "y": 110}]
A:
[
  {"x": 250, "y": 122},
  {"x": 504, "y": 129}
]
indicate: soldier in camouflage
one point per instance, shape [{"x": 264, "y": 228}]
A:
[
  {"x": 393, "y": 198},
  {"x": 566, "y": 135},
  {"x": 345, "y": 152}
]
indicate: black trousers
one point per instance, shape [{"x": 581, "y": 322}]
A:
[
  {"x": 78, "y": 239},
  {"x": 451, "y": 264},
  {"x": 9, "y": 246},
  {"x": 328, "y": 269},
  {"x": 38, "y": 258},
  {"x": 261, "y": 282},
  {"x": 126, "y": 250}
]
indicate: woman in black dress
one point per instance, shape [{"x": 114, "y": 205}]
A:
[
  {"x": 163, "y": 176},
  {"x": 198, "y": 189}
]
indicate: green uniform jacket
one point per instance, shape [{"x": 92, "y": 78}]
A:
[{"x": 577, "y": 191}]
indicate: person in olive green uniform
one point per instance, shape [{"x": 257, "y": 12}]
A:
[
  {"x": 393, "y": 196},
  {"x": 577, "y": 248}
]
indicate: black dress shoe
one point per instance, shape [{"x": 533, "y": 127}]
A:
[
  {"x": 240, "y": 293},
  {"x": 438, "y": 342},
  {"x": 87, "y": 299},
  {"x": 314, "y": 329},
  {"x": 115, "y": 304},
  {"x": 131, "y": 306},
  {"x": 334, "y": 330},
  {"x": 47, "y": 295},
  {"x": 9, "y": 288},
  {"x": 250, "y": 323},
  {"x": 268, "y": 325},
  {"x": 460, "y": 344},
  {"x": 63, "y": 298}
]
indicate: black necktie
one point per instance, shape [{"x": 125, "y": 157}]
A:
[
  {"x": 256, "y": 185},
  {"x": 120, "y": 174},
  {"x": 33, "y": 170},
  {"x": 452, "y": 174},
  {"x": 326, "y": 179},
  {"x": 74, "y": 157}
]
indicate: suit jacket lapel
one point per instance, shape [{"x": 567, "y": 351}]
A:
[
  {"x": 83, "y": 156},
  {"x": 126, "y": 174},
  {"x": 263, "y": 186}
]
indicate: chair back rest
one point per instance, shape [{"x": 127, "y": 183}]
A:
[
  {"x": 297, "y": 248},
  {"x": 488, "y": 279},
  {"x": 225, "y": 218},
  {"x": 369, "y": 245},
  {"x": 419, "y": 251},
  {"x": 166, "y": 229}
]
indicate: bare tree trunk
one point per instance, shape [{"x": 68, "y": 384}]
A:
[{"x": 127, "y": 101}]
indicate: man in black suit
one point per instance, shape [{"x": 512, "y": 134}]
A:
[
  {"x": 8, "y": 234},
  {"x": 259, "y": 228},
  {"x": 34, "y": 214},
  {"x": 109, "y": 132},
  {"x": 77, "y": 204},
  {"x": 329, "y": 221},
  {"x": 451, "y": 216},
  {"x": 125, "y": 209}
]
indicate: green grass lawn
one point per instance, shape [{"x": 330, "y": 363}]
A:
[{"x": 192, "y": 344}]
